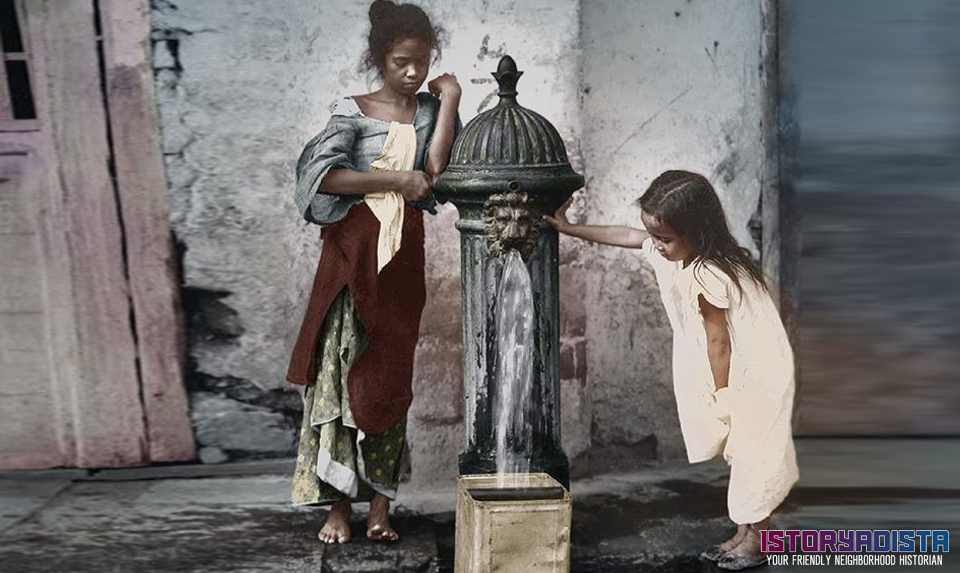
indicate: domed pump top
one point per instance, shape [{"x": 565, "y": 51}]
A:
[{"x": 507, "y": 148}]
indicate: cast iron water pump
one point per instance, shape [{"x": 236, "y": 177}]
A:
[{"x": 517, "y": 157}]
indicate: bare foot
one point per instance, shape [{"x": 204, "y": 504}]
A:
[
  {"x": 337, "y": 527},
  {"x": 378, "y": 522}
]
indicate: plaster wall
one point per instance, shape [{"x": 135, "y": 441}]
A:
[
  {"x": 667, "y": 84},
  {"x": 242, "y": 87},
  {"x": 634, "y": 88}
]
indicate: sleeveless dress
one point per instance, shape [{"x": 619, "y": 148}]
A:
[{"x": 749, "y": 422}]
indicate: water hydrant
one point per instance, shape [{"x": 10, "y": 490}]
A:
[{"x": 509, "y": 151}]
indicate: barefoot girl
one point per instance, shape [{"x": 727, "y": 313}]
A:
[
  {"x": 366, "y": 179},
  {"x": 733, "y": 370}
]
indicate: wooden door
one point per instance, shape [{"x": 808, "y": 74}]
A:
[{"x": 90, "y": 336}]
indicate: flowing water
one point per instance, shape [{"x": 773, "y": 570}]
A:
[{"x": 514, "y": 375}]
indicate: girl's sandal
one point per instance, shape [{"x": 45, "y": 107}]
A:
[
  {"x": 714, "y": 554},
  {"x": 379, "y": 532},
  {"x": 737, "y": 562}
]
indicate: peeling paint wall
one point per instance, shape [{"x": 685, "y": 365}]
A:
[
  {"x": 667, "y": 84},
  {"x": 634, "y": 88}
]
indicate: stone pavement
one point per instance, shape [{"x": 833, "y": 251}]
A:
[{"x": 235, "y": 518}]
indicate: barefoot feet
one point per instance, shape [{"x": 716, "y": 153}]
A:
[
  {"x": 337, "y": 527},
  {"x": 378, "y": 522}
]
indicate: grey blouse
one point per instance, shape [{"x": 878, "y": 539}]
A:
[{"x": 352, "y": 140}]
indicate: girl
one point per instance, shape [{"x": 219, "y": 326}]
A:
[
  {"x": 366, "y": 178},
  {"x": 732, "y": 363}
]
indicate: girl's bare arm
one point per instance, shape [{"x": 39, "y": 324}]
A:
[
  {"x": 413, "y": 185},
  {"x": 447, "y": 88},
  {"x": 615, "y": 235},
  {"x": 718, "y": 342}
]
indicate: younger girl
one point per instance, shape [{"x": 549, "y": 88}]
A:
[
  {"x": 733, "y": 370},
  {"x": 366, "y": 178}
]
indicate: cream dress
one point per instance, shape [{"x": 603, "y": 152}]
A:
[{"x": 749, "y": 422}]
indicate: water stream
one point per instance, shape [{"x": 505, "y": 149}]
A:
[{"x": 514, "y": 374}]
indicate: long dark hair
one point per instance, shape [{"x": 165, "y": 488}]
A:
[
  {"x": 391, "y": 23},
  {"x": 687, "y": 203}
]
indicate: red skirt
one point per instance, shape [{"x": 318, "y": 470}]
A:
[{"x": 389, "y": 305}]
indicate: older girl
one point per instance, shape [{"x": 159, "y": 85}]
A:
[{"x": 367, "y": 179}]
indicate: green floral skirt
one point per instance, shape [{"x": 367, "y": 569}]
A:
[{"x": 336, "y": 460}]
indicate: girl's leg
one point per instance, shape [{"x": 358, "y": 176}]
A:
[
  {"x": 736, "y": 539},
  {"x": 337, "y": 527},
  {"x": 378, "y": 521}
]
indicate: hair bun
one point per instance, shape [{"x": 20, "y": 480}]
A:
[{"x": 380, "y": 9}]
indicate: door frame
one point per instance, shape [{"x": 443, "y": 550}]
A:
[{"x": 779, "y": 209}]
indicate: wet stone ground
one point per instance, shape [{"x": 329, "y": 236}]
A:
[
  {"x": 654, "y": 520},
  {"x": 196, "y": 525}
]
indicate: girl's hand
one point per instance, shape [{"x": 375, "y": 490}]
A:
[
  {"x": 445, "y": 86},
  {"x": 414, "y": 185},
  {"x": 559, "y": 219}
]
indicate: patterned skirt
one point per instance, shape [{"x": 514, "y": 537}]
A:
[{"x": 336, "y": 460}]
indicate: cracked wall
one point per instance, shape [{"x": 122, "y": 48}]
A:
[{"x": 634, "y": 88}]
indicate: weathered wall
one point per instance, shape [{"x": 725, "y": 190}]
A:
[
  {"x": 242, "y": 85},
  {"x": 666, "y": 84},
  {"x": 634, "y": 88}
]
